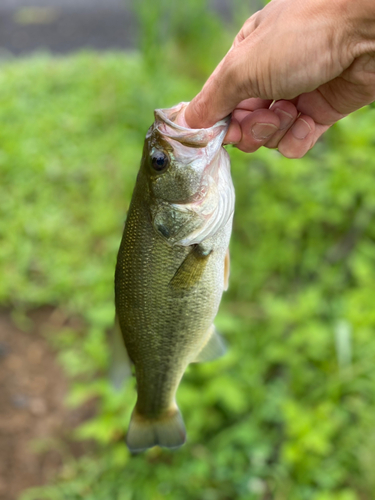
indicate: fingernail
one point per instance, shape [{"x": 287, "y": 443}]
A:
[
  {"x": 285, "y": 118},
  {"x": 301, "y": 129},
  {"x": 261, "y": 131}
]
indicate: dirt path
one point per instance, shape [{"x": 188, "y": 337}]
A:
[{"x": 32, "y": 391}]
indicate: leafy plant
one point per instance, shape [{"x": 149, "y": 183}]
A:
[{"x": 289, "y": 412}]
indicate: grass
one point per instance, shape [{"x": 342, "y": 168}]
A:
[{"x": 284, "y": 415}]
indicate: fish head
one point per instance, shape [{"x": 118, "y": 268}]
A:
[
  {"x": 183, "y": 169},
  {"x": 176, "y": 158}
]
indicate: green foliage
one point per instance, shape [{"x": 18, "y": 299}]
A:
[
  {"x": 172, "y": 34},
  {"x": 71, "y": 135},
  {"x": 289, "y": 413}
]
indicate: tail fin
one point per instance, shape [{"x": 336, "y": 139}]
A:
[{"x": 167, "y": 431}]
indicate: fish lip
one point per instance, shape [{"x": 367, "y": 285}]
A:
[
  {"x": 161, "y": 113},
  {"x": 194, "y": 137}
]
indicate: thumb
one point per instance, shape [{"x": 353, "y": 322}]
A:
[{"x": 218, "y": 98}]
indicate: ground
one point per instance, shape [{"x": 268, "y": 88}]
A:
[{"x": 32, "y": 410}]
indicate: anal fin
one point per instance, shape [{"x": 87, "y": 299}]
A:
[
  {"x": 120, "y": 363},
  {"x": 213, "y": 348}
]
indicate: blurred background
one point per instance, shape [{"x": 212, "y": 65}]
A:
[{"x": 289, "y": 413}]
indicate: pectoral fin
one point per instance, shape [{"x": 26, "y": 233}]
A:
[
  {"x": 120, "y": 363},
  {"x": 190, "y": 271},
  {"x": 214, "y": 347}
]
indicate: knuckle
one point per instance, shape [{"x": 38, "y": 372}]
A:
[{"x": 248, "y": 27}]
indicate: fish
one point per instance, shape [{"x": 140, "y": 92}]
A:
[{"x": 172, "y": 268}]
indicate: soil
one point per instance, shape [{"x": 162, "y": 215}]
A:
[{"x": 32, "y": 411}]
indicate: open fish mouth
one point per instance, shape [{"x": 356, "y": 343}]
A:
[
  {"x": 167, "y": 125},
  {"x": 214, "y": 200},
  {"x": 206, "y": 143},
  {"x": 203, "y": 165}
]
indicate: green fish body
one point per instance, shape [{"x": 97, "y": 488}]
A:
[{"x": 172, "y": 267}]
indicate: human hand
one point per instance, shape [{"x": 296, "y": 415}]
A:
[{"x": 315, "y": 58}]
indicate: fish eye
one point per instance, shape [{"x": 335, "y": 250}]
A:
[{"x": 159, "y": 161}]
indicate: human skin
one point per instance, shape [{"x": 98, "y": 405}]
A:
[{"x": 295, "y": 68}]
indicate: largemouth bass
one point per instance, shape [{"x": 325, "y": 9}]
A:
[{"x": 172, "y": 268}]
